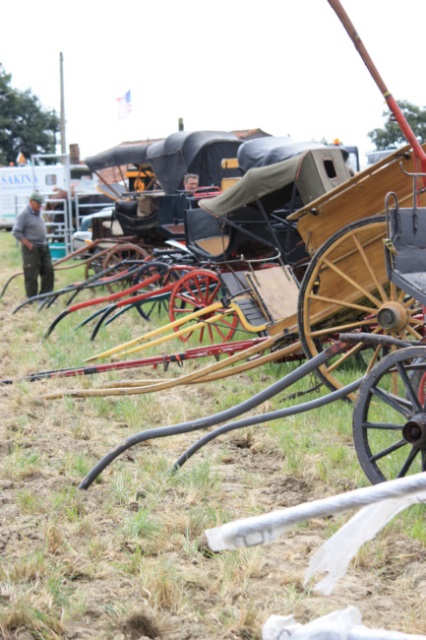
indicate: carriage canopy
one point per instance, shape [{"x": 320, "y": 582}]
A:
[
  {"x": 198, "y": 152},
  {"x": 313, "y": 173},
  {"x": 120, "y": 155},
  {"x": 261, "y": 152},
  {"x": 170, "y": 159}
]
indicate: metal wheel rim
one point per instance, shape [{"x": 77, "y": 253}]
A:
[{"x": 382, "y": 450}]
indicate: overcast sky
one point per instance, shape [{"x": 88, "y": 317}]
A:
[{"x": 286, "y": 66}]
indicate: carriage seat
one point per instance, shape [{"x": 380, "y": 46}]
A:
[
  {"x": 405, "y": 251},
  {"x": 205, "y": 235},
  {"x": 128, "y": 207}
]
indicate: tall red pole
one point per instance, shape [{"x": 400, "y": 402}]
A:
[{"x": 392, "y": 104}]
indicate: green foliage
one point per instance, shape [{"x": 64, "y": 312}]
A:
[
  {"x": 391, "y": 136},
  {"x": 24, "y": 125}
]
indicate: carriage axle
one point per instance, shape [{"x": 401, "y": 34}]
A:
[
  {"x": 414, "y": 431},
  {"x": 392, "y": 316}
]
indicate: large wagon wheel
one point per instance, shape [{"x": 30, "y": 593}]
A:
[
  {"x": 196, "y": 290},
  {"x": 389, "y": 419},
  {"x": 346, "y": 289},
  {"x": 116, "y": 256},
  {"x": 93, "y": 265}
]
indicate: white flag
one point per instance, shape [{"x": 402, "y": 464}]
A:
[{"x": 124, "y": 105}]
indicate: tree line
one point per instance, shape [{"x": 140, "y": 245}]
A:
[{"x": 25, "y": 127}]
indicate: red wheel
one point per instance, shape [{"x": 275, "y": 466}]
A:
[
  {"x": 196, "y": 290},
  {"x": 418, "y": 380}
]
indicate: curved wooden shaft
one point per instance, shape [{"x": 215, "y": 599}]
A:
[
  {"x": 204, "y": 374},
  {"x": 155, "y": 332},
  {"x": 115, "y": 296}
]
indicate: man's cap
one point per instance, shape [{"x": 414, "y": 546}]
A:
[{"x": 37, "y": 197}]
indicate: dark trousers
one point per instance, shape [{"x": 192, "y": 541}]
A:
[{"x": 37, "y": 263}]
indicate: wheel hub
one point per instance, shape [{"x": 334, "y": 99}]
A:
[
  {"x": 392, "y": 315},
  {"x": 414, "y": 431}
]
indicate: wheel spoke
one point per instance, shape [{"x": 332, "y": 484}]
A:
[
  {"x": 374, "y": 358},
  {"x": 210, "y": 332},
  {"x": 211, "y": 295},
  {"x": 345, "y": 356},
  {"x": 401, "y": 405},
  {"x": 351, "y": 352},
  {"x": 408, "y": 387},
  {"x": 356, "y": 285},
  {"x": 415, "y": 334},
  {"x": 385, "y": 452},
  {"x": 343, "y": 328},
  {"x": 339, "y": 303},
  {"x": 384, "y": 426},
  {"x": 409, "y": 461},
  {"x": 370, "y": 269}
]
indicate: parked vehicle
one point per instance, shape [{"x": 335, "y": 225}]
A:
[
  {"x": 155, "y": 212},
  {"x": 17, "y": 183},
  {"x": 260, "y": 152},
  {"x": 84, "y": 234}
]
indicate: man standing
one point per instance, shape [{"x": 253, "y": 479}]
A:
[{"x": 29, "y": 229}]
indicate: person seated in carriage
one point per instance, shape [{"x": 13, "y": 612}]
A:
[{"x": 191, "y": 182}]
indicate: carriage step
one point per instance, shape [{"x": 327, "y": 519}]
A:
[{"x": 251, "y": 311}]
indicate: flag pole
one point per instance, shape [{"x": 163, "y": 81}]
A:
[{"x": 61, "y": 71}]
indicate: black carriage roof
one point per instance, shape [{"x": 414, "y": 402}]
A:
[
  {"x": 123, "y": 154},
  {"x": 181, "y": 152},
  {"x": 261, "y": 152},
  {"x": 189, "y": 143},
  {"x": 191, "y": 152},
  {"x": 261, "y": 181}
]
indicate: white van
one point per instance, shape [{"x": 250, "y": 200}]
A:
[{"x": 17, "y": 184}]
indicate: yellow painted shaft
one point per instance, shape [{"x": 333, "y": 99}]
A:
[
  {"x": 176, "y": 334},
  {"x": 151, "y": 334}
]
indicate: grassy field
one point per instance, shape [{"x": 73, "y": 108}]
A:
[{"x": 127, "y": 559}]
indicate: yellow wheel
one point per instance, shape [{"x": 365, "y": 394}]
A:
[{"x": 346, "y": 289}]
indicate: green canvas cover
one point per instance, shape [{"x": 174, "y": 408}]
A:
[
  {"x": 320, "y": 171},
  {"x": 315, "y": 172}
]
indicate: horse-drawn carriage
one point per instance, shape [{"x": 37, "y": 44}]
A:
[
  {"x": 326, "y": 269},
  {"x": 255, "y": 231},
  {"x": 259, "y": 228},
  {"x": 360, "y": 280},
  {"x": 150, "y": 198},
  {"x": 337, "y": 241}
]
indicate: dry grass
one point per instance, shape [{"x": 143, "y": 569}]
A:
[{"x": 126, "y": 559}]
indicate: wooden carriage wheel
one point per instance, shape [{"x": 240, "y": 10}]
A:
[
  {"x": 346, "y": 289},
  {"x": 93, "y": 266},
  {"x": 389, "y": 419},
  {"x": 167, "y": 275},
  {"x": 115, "y": 256},
  {"x": 196, "y": 290}
]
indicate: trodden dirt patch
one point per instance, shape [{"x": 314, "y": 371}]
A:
[{"x": 126, "y": 559}]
